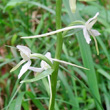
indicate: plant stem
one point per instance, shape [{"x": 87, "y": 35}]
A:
[{"x": 57, "y": 55}]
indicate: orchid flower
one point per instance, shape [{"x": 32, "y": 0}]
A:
[
  {"x": 25, "y": 53},
  {"x": 87, "y": 30},
  {"x": 44, "y": 65}
]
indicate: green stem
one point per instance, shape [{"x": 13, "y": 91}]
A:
[{"x": 57, "y": 55}]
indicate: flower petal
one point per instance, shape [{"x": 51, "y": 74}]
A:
[
  {"x": 24, "y": 51},
  {"x": 90, "y": 25},
  {"x": 95, "y": 32},
  {"x": 36, "y": 69},
  {"x": 24, "y": 68},
  {"x": 91, "y": 19},
  {"x": 44, "y": 65},
  {"x": 48, "y": 55},
  {"x": 14, "y": 68},
  {"x": 23, "y": 48},
  {"x": 86, "y": 35}
]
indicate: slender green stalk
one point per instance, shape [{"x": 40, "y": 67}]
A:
[{"x": 57, "y": 56}]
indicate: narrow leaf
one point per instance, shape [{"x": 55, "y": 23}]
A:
[{"x": 40, "y": 76}]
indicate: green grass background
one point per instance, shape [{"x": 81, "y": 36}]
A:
[{"x": 76, "y": 89}]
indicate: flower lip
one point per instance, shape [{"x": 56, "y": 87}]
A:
[{"x": 24, "y": 52}]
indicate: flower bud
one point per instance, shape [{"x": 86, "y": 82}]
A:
[{"x": 72, "y": 5}]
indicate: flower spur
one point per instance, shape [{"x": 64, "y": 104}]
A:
[{"x": 87, "y": 30}]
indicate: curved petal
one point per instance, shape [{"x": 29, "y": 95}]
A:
[
  {"x": 36, "y": 69},
  {"x": 48, "y": 55},
  {"x": 91, "y": 19},
  {"x": 86, "y": 35},
  {"x": 24, "y": 51},
  {"x": 14, "y": 68},
  {"x": 24, "y": 68},
  {"x": 23, "y": 48},
  {"x": 90, "y": 25},
  {"x": 95, "y": 32},
  {"x": 44, "y": 65}
]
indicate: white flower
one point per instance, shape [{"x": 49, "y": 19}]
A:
[
  {"x": 25, "y": 53},
  {"x": 87, "y": 30},
  {"x": 44, "y": 65}
]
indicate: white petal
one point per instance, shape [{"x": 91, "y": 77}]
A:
[
  {"x": 24, "y": 51},
  {"x": 44, "y": 65},
  {"x": 86, "y": 35},
  {"x": 36, "y": 69},
  {"x": 48, "y": 55},
  {"x": 17, "y": 66},
  {"x": 95, "y": 32},
  {"x": 91, "y": 19},
  {"x": 23, "y": 48},
  {"x": 90, "y": 25},
  {"x": 24, "y": 68}
]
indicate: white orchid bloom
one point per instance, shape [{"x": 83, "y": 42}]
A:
[
  {"x": 25, "y": 53},
  {"x": 87, "y": 30},
  {"x": 44, "y": 65}
]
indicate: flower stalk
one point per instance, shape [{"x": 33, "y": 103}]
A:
[{"x": 57, "y": 55}]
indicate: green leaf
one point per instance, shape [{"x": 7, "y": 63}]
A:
[
  {"x": 104, "y": 48},
  {"x": 19, "y": 101},
  {"x": 16, "y": 104},
  {"x": 35, "y": 101},
  {"x": 40, "y": 76},
  {"x": 12, "y": 105},
  {"x": 104, "y": 73},
  {"x": 13, "y": 3}
]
